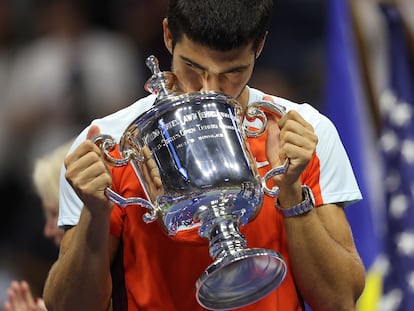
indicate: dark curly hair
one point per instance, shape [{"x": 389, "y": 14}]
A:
[{"x": 220, "y": 24}]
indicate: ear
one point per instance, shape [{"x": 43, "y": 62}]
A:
[
  {"x": 168, "y": 40},
  {"x": 261, "y": 45}
]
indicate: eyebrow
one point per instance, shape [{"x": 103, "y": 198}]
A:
[{"x": 232, "y": 69}]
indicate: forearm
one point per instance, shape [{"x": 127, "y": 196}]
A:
[
  {"x": 80, "y": 279},
  {"x": 325, "y": 263},
  {"x": 329, "y": 275}
]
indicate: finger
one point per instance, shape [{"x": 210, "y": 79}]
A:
[
  {"x": 89, "y": 176},
  {"x": 7, "y": 306},
  {"x": 14, "y": 297},
  {"x": 294, "y": 116},
  {"x": 271, "y": 115},
  {"x": 299, "y": 135},
  {"x": 14, "y": 292},
  {"x": 273, "y": 141},
  {"x": 92, "y": 132},
  {"x": 91, "y": 186},
  {"x": 156, "y": 176},
  {"x": 41, "y": 305},
  {"x": 27, "y": 295},
  {"x": 147, "y": 152},
  {"x": 87, "y": 169},
  {"x": 10, "y": 298},
  {"x": 301, "y": 138},
  {"x": 82, "y": 150}
]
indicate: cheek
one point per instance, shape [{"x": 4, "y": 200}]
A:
[
  {"x": 234, "y": 86},
  {"x": 235, "y": 83},
  {"x": 189, "y": 81}
]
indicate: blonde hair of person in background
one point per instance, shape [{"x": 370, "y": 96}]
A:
[
  {"x": 45, "y": 178},
  {"x": 46, "y": 181}
]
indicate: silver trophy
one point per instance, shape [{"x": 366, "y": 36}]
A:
[{"x": 203, "y": 174}]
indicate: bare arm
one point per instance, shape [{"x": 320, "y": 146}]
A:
[
  {"x": 80, "y": 279},
  {"x": 325, "y": 263}
]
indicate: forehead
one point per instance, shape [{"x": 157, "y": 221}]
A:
[{"x": 211, "y": 58}]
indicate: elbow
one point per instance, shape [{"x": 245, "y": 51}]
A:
[
  {"x": 338, "y": 307},
  {"x": 338, "y": 303},
  {"x": 349, "y": 298},
  {"x": 47, "y": 295},
  {"x": 359, "y": 277},
  {"x": 343, "y": 297},
  {"x": 48, "y": 305},
  {"x": 47, "y": 298},
  {"x": 359, "y": 285}
]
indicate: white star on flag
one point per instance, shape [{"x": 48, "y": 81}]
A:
[{"x": 405, "y": 243}]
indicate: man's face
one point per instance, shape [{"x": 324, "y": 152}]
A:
[
  {"x": 51, "y": 230},
  {"x": 201, "y": 69}
]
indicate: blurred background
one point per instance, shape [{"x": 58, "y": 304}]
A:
[{"x": 66, "y": 62}]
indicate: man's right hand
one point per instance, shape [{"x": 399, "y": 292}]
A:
[{"x": 88, "y": 174}]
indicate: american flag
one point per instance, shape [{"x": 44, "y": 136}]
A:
[
  {"x": 345, "y": 104},
  {"x": 397, "y": 142}
]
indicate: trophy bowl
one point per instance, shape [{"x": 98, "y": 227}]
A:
[{"x": 190, "y": 153}]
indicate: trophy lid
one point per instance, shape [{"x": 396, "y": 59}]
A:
[{"x": 161, "y": 83}]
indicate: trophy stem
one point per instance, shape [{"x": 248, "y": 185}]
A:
[
  {"x": 226, "y": 238},
  {"x": 238, "y": 276},
  {"x": 221, "y": 228}
]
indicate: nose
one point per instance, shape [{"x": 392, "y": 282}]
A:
[
  {"x": 50, "y": 228},
  {"x": 211, "y": 83}
]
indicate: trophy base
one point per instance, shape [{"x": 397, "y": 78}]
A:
[{"x": 240, "y": 279}]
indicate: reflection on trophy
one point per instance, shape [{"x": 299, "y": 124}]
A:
[{"x": 191, "y": 155}]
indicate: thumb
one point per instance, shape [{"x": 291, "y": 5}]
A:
[
  {"x": 273, "y": 152},
  {"x": 92, "y": 132},
  {"x": 275, "y": 115},
  {"x": 268, "y": 98}
]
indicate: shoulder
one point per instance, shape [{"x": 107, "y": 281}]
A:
[
  {"x": 115, "y": 124},
  {"x": 307, "y": 111}
]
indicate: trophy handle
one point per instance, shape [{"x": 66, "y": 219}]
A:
[
  {"x": 121, "y": 201},
  {"x": 107, "y": 143},
  {"x": 256, "y": 111}
]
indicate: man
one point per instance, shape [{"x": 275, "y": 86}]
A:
[{"x": 214, "y": 45}]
